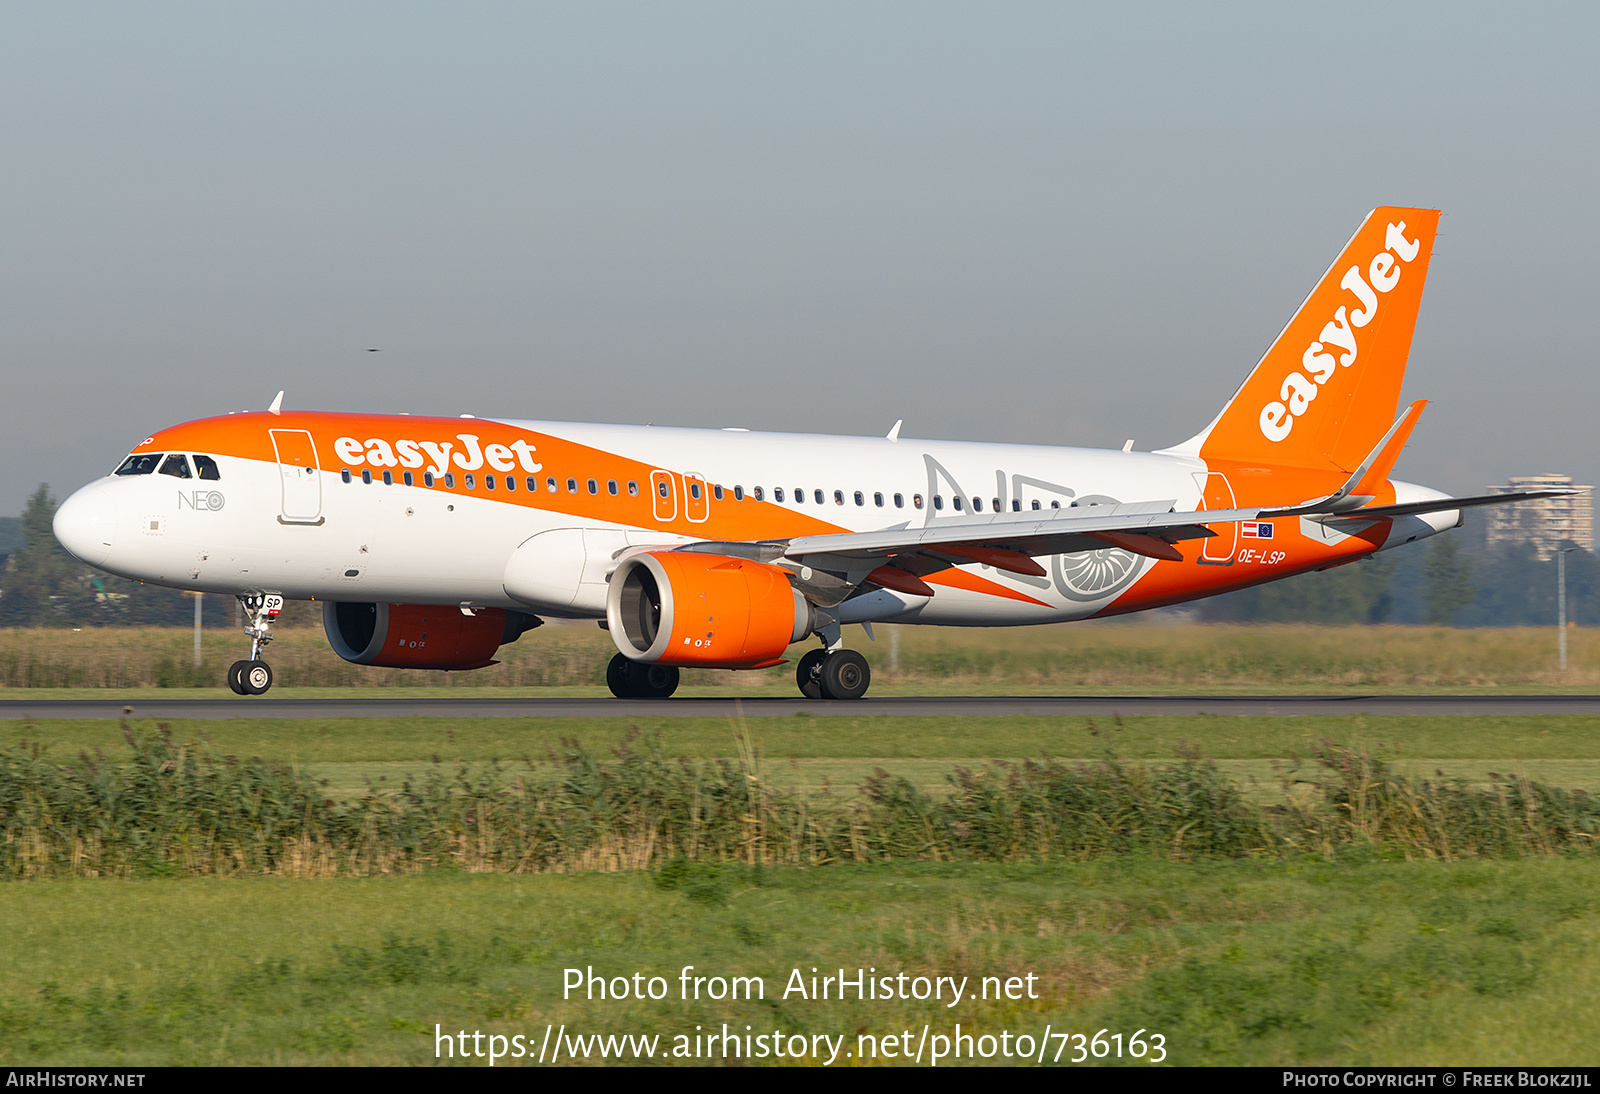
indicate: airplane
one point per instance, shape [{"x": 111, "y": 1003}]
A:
[{"x": 432, "y": 541}]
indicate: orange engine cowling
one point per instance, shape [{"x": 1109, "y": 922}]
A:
[
  {"x": 421, "y": 636},
  {"x": 710, "y": 611}
]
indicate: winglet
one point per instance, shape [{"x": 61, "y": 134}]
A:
[
  {"x": 277, "y": 405},
  {"x": 1362, "y": 486},
  {"x": 1378, "y": 465},
  {"x": 894, "y": 434}
]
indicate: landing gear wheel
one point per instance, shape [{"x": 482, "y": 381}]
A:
[
  {"x": 619, "y": 679},
  {"x": 256, "y": 677},
  {"x": 655, "y": 681},
  {"x": 808, "y": 673},
  {"x": 845, "y": 675},
  {"x": 632, "y": 680},
  {"x": 236, "y": 677}
]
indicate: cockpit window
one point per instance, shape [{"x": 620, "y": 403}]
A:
[
  {"x": 140, "y": 463},
  {"x": 207, "y": 468},
  {"x": 176, "y": 466}
]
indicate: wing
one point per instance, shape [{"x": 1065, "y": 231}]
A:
[{"x": 830, "y": 567}]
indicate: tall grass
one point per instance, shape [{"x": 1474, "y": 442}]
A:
[
  {"x": 169, "y": 808},
  {"x": 1110, "y": 654}
]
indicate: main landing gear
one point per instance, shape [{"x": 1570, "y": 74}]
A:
[
  {"x": 833, "y": 674},
  {"x": 821, "y": 674},
  {"x": 254, "y": 677},
  {"x": 635, "y": 680}
]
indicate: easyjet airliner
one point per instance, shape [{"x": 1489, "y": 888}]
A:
[{"x": 433, "y": 541}]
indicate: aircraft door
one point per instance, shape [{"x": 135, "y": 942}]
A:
[
  {"x": 298, "y": 473},
  {"x": 663, "y": 496},
  {"x": 1218, "y": 550}
]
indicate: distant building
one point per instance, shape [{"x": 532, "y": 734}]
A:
[{"x": 1544, "y": 522}]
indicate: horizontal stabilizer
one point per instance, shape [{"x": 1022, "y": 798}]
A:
[{"x": 1441, "y": 505}]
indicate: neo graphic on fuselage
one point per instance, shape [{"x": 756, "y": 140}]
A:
[{"x": 430, "y": 542}]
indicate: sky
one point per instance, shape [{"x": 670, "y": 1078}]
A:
[{"x": 1044, "y": 223}]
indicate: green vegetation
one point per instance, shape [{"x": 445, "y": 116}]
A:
[
  {"x": 1486, "y": 962},
  {"x": 1113, "y": 655},
  {"x": 165, "y": 808},
  {"x": 1324, "y": 947}
]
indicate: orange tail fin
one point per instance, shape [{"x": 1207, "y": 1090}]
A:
[{"x": 1327, "y": 390}]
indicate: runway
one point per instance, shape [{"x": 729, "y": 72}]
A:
[{"x": 220, "y": 707}]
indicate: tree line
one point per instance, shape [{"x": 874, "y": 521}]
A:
[{"x": 1455, "y": 579}]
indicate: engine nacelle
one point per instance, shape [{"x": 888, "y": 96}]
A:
[
  {"x": 710, "y": 611},
  {"x": 421, "y": 636}
]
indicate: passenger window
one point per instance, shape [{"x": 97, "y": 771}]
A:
[
  {"x": 955, "y": 501},
  {"x": 611, "y": 487},
  {"x": 1036, "y": 503},
  {"x": 470, "y": 481},
  {"x": 877, "y": 499},
  {"x": 488, "y": 482},
  {"x": 449, "y": 479},
  {"x": 388, "y": 478},
  {"x": 550, "y": 484},
  {"x": 572, "y": 486},
  {"x": 996, "y": 507},
  {"x": 344, "y": 476},
  {"x": 1016, "y": 505},
  {"x": 694, "y": 490},
  {"x": 140, "y": 465},
  {"x": 900, "y": 502},
  {"x": 916, "y": 500},
  {"x": 716, "y": 492},
  {"x": 663, "y": 489},
  {"x": 838, "y": 497},
  {"x": 760, "y": 495},
  {"x": 738, "y": 493},
  {"x": 938, "y": 501},
  {"x": 1055, "y": 505},
  {"x": 799, "y": 496},
  {"x": 511, "y": 482},
  {"x": 633, "y": 489},
  {"x": 777, "y": 493},
  {"x": 977, "y": 505},
  {"x": 410, "y": 479},
  {"x": 366, "y": 475},
  {"x": 427, "y": 478},
  {"x": 533, "y": 485},
  {"x": 818, "y": 495},
  {"x": 594, "y": 487},
  {"x": 176, "y": 466},
  {"x": 861, "y": 499},
  {"x": 206, "y": 468}
]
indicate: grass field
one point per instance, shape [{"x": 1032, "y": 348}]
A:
[
  {"x": 1232, "y": 962},
  {"x": 1078, "y": 657},
  {"x": 1359, "y": 957},
  {"x": 347, "y": 753}
]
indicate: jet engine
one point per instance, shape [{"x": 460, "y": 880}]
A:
[
  {"x": 705, "y": 610},
  {"x": 421, "y": 636}
]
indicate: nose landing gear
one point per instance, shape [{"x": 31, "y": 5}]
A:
[{"x": 254, "y": 677}]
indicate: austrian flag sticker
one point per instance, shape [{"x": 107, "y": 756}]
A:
[{"x": 1252, "y": 529}]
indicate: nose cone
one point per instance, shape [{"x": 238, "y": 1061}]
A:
[{"x": 86, "y": 524}]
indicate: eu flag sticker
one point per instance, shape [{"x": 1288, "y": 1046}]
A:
[{"x": 1253, "y": 529}]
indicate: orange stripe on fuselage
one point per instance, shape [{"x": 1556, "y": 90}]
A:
[
  {"x": 247, "y": 436},
  {"x": 1254, "y": 562},
  {"x": 961, "y": 579}
]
